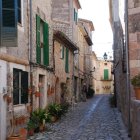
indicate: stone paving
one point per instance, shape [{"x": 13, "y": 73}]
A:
[{"x": 91, "y": 120}]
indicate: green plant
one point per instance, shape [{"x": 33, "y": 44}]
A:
[
  {"x": 135, "y": 81},
  {"x": 31, "y": 125},
  {"x": 64, "y": 108},
  {"x": 39, "y": 116},
  {"x": 55, "y": 110}
]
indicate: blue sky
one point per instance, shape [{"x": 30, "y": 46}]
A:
[{"x": 97, "y": 11}]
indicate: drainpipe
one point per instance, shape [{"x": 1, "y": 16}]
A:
[
  {"x": 30, "y": 51},
  {"x": 127, "y": 67}
]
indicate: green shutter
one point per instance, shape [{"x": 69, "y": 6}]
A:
[
  {"x": 46, "y": 44},
  {"x": 38, "y": 49},
  {"x": 63, "y": 49},
  {"x": 105, "y": 74},
  {"x": 67, "y": 61},
  {"x": 76, "y": 17}
]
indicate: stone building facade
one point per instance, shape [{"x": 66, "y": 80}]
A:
[
  {"x": 126, "y": 100},
  {"x": 103, "y": 79},
  {"x": 86, "y": 27},
  {"x": 14, "y": 60},
  {"x": 34, "y": 70}
]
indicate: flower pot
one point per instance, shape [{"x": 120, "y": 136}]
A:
[
  {"x": 17, "y": 137},
  {"x": 41, "y": 128},
  {"x": 29, "y": 108},
  {"x": 23, "y": 133},
  {"x": 54, "y": 119},
  {"x": 8, "y": 99},
  {"x": 31, "y": 132},
  {"x": 37, "y": 94},
  {"x": 137, "y": 93},
  {"x": 36, "y": 130}
]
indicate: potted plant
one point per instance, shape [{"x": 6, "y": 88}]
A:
[
  {"x": 39, "y": 117},
  {"x": 135, "y": 81},
  {"x": 55, "y": 111},
  {"x": 31, "y": 127}
]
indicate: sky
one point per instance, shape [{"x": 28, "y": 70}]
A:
[{"x": 97, "y": 11}]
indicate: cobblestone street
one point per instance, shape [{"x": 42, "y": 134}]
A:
[{"x": 91, "y": 120}]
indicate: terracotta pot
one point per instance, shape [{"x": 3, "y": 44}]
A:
[
  {"x": 23, "y": 133},
  {"x": 137, "y": 93},
  {"x": 9, "y": 99},
  {"x": 29, "y": 108},
  {"x": 14, "y": 138},
  {"x": 54, "y": 119},
  {"x": 37, "y": 94},
  {"x": 31, "y": 132},
  {"x": 41, "y": 128}
]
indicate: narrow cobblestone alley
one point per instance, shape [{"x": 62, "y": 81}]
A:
[{"x": 91, "y": 120}]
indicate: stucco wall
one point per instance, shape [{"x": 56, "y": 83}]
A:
[{"x": 3, "y": 104}]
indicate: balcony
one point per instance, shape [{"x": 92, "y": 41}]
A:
[{"x": 106, "y": 79}]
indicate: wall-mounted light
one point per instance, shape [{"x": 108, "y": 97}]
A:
[{"x": 93, "y": 69}]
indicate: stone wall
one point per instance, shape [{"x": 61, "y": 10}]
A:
[
  {"x": 60, "y": 73},
  {"x": 134, "y": 56},
  {"x": 135, "y": 112}
]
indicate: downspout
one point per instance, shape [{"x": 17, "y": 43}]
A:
[
  {"x": 73, "y": 75},
  {"x": 127, "y": 67},
  {"x": 30, "y": 51}
]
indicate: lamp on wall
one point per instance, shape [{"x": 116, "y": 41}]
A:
[
  {"x": 105, "y": 56},
  {"x": 93, "y": 69}
]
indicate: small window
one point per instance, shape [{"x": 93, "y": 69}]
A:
[
  {"x": 75, "y": 16},
  {"x": 20, "y": 87},
  {"x": 62, "y": 52},
  {"x": 67, "y": 61}
]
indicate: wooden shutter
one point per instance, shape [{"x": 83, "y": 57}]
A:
[
  {"x": 46, "y": 44},
  {"x": 19, "y": 10},
  {"x": 67, "y": 61},
  {"x": 15, "y": 86},
  {"x": 24, "y": 87},
  {"x": 38, "y": 49},
  {"x": 105, "y": 74},
  {"x": 63, "y": 50},
  {"x": 8, "y": 23}
]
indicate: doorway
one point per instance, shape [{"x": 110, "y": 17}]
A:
[{"x": 41, "y": 90}]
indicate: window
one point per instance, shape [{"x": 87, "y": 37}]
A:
[
  {"x": 75, "y": 16},
  {"x": 67, "y": 61},
  {"x": 20, "y": 87},
  {"x": 19, "y": 5},
  {"x": 42, "y": 42},
  {"x": 62, "y": 52},
  {"x": 8, "y": 22},
  {"x": 105, "y": 74}
]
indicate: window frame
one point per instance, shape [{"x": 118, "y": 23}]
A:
[
  {"x": 21, "y": 12},
  {"x": 62, "y": 51},
  {"x": 20, "y": 89}
]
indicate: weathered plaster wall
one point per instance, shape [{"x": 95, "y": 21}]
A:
[{"x": 3, "y": 104}]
